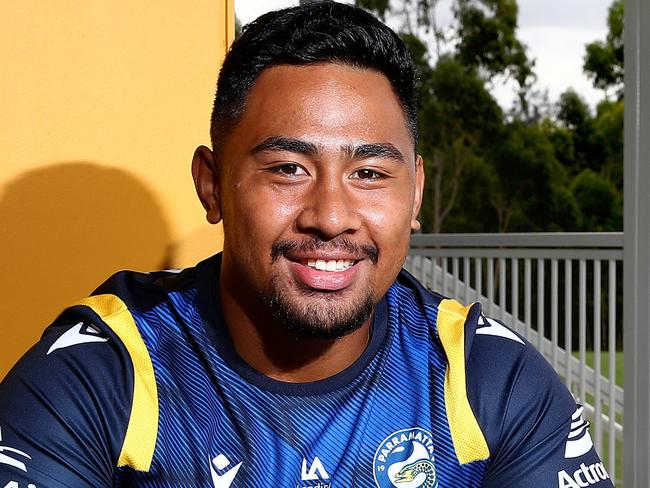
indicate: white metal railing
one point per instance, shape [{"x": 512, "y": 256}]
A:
[{"x": 538, "y": 284}]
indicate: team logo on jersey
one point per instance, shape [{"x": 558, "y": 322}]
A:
[{"x": 405, "y": 459}]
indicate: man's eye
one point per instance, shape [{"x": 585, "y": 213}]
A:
[
  {"x": 367, "y": 174},
  {"x": 289, "y": 169}
]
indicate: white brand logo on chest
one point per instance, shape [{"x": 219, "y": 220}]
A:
[
  {"x": 221, "y": 478},
  {"x": 313, "y": 473}
]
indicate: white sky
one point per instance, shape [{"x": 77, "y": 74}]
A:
[{"x": 555, "y": 31}]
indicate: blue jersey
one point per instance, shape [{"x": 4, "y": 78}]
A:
[{"x": 139, "y": 385}]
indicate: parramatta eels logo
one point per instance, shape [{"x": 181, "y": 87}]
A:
[{"x": 405, "y": 459}]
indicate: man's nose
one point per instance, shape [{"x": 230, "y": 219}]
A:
[{"x": 329, "y": 211}]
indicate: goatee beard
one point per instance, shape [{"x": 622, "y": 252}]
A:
[{"x": 321, "y": 315}]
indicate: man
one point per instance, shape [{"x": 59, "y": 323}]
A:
[{"x": 301, "y": 356}]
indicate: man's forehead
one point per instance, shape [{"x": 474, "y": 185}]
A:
[{"x": 325, "y": 98}]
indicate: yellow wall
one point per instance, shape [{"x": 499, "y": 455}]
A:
[{"x": 102, "y": 104}]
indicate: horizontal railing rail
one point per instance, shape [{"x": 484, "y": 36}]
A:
[{"x": 522, "y": 240}]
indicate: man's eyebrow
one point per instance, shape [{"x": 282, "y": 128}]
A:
[
  {"x": 383, "y": 150},
  {"x": 279, "y": 143}
]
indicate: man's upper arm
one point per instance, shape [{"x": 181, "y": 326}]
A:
[
  {"x": 65, "y": 406},
  {"x": 534, "y": 429}
]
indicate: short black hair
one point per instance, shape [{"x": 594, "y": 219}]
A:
[{"x": 309, "y": 34}]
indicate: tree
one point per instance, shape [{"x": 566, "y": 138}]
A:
[
  {"x": 458, "y": 116},
  {"x": 482, "y": 37},
  {"x": 599, "y": 202},
  {"x": 531, "y": 193},
  {"x": 458, "y": 120},
  {"x": 575, "y": 122},
  {"x": 604, "y": 61},
  {"x": 487, "y": 39},
  {"x": 591, "y": 149},
  {"x": 608, "y": 138},
  {"x": 541, "y": 167}
]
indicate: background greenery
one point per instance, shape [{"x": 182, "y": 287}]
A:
[{"x": 538, "y": 166}]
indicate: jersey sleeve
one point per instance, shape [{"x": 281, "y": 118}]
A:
[
  {"x": 64, "y": 407},
  {"x": 536, "y": 433}
]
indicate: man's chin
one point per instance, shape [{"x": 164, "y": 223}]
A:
[{"x": 321, "y": 315}]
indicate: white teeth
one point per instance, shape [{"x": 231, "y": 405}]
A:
[{"x": 330, "y": 265}]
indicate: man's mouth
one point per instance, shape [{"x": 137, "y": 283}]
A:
[
  {"x": 326, "y": 266},
  {"x": 309, "y": 253},
  {"x": 325, "y": 274},
  {"x": 330, "y": 264}
]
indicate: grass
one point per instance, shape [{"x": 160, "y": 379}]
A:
[{"x": 604, "y": 364}]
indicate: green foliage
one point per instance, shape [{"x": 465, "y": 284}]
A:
[
  {"x": 608, "y": 137},
  {"x": 604, "y": 61},
  {"x": 590, "y": 148},
  {"x": 575, "y": 119},
  {"x": 487, "y": 38},
  {"x": 458, "y": 120},
  {"x": 533, "y": 170},
  {"x": 532, "y": 193},
  {"x": 573, "y": 111},
  {"x": 598, "y": 202}
]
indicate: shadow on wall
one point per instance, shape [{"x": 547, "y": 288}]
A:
[{"x": 65, "y": 229}]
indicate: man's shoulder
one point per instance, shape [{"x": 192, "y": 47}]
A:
[
  {"x": 511, "y": 386},
  {"x": 501, "y": 375},
  {"x": 466, "y": 329},
  {"x": 92, "y": 369},
  {"x": 144, "y": 290}
]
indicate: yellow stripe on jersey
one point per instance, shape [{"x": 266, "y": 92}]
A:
[
  {"x": 469, "y": 442},
  {"x": 142, "y": 430}
]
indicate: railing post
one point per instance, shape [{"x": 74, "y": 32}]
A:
[{"x": 636, "y": 260}]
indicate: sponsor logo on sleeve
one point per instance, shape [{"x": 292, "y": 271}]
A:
[
  {"x": 583, "y": 476},
  {"x": 578, "y": 444},
  {"x": 579, "y": 441},
  {"x": 80, "y": 333},
  {"x": 12, "y": 456},
  {"x": 488, "y": 326}
]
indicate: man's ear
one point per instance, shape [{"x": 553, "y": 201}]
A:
[
  {"x": 419, "y": 191},
  {"x": 206, "y": 181}
]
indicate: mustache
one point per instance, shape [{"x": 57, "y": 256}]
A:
[{"x": 284, "y": 248}]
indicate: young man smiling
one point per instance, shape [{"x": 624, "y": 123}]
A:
[
  {"x": 301, "y": 355},
  {"x": 318, "y": 186}
]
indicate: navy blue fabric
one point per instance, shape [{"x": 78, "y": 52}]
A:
[
  {"x": 525, "y": 412},
  {"x": 68, "y": 410}
]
